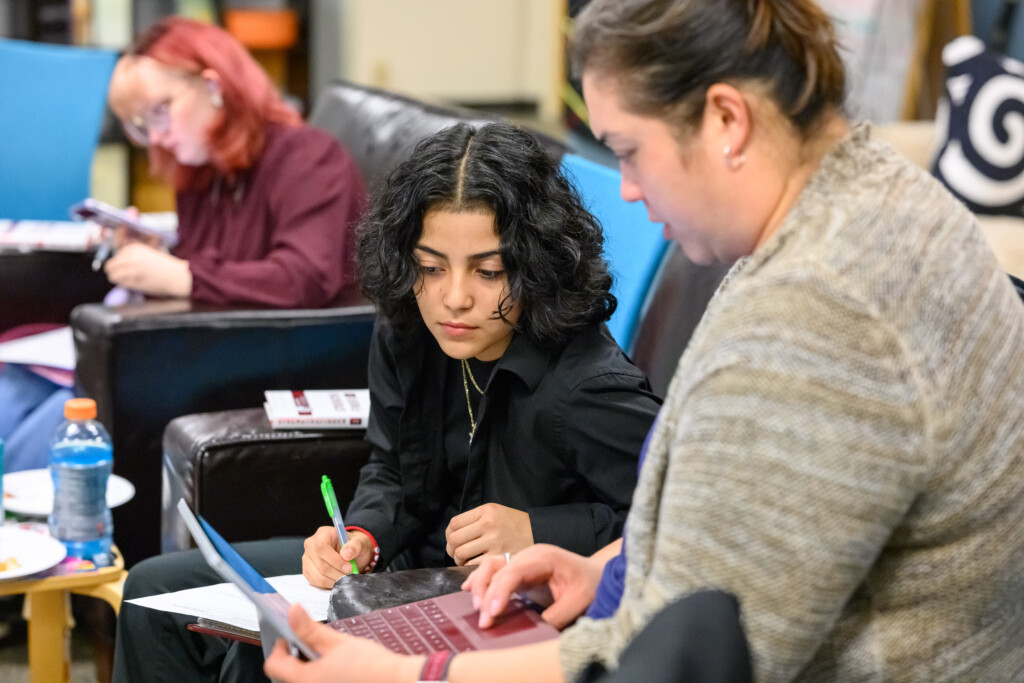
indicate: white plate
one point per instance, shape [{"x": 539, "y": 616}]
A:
[
  {"x": 30, "y": 492},
  {"x": 34, "y": 551}
]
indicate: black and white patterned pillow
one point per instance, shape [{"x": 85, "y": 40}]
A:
[{"x": 981, "y": 159}]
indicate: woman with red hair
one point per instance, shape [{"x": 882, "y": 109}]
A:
[{"x": 265, "y": 204}]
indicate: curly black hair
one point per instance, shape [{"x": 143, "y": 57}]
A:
[{"x": 552, "y": 248}]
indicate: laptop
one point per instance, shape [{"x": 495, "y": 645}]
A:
[{"x": 448, "y": 622}]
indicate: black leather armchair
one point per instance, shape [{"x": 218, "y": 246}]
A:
[
  {"x": 674, "y": 306},
  {"x": 44, "y": 286},
  {"x": 150, "y": 363},
  {"x": 381, "y": 128},
  {"x": 207, "y": 456}
]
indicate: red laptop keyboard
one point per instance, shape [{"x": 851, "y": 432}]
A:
[{"x": 416, "y": 628}]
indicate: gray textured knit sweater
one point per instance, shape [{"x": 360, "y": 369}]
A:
[{"x": 842, "y": 446}]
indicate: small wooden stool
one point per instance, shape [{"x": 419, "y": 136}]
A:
[{"x": 48, "y": 611}]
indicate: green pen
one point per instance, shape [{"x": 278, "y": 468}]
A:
[{"x": 335, "y": 512}]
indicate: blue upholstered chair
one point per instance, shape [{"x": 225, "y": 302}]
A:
[
  {"x": 634, "y": 246},
  {"x": 52, "y": 99}
]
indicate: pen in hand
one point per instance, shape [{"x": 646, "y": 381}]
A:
[
  {"x": 103, "y": 252},
  {"x": 335, "y": 512}
]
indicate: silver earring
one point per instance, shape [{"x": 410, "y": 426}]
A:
[
  {"x": 734, "y": 162},
  {"x": 216, "y": 99}
]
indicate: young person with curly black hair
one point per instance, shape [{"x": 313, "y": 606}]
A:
[
  {"x": 502, "y": 412},
  {"x": 492, "y": 286}
]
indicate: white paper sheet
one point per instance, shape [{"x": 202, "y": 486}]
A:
[
  {"x": 55, "y": 348},
  {"x": 225, "y": 603}
]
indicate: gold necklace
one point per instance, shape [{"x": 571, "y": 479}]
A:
[
  {"x": 465, "y": 385},
  {"x": 471, "y": 378}
]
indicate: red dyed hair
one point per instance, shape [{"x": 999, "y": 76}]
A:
[{"x": 250, "y": 99}]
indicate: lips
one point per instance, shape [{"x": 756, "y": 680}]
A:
[{"x": 454, "y": 329}]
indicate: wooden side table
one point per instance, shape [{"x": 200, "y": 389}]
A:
[{"x": 49, "y": 612}]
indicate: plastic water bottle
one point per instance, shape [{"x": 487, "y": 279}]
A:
[{"x": 81, "y": 458}]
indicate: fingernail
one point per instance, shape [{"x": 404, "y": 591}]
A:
[
  {"x": 494, "y": 608},
  {"x": 476, "y": 602}
]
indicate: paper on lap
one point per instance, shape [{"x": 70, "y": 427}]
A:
[{"x": 225, "y": 603}]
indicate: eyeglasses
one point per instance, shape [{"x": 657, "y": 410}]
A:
[{"x": 156, "y": 119}]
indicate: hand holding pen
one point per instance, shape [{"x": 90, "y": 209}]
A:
[
  {"x": 327, "y": 489},
  {"x": 104, "y": 249}
]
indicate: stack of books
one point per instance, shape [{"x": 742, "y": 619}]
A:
[{"x": 318, "y": 409}]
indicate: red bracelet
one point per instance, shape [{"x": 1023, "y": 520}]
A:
[
  {"x": 436, "y": 666},
  {"x": 376, "y": 548}
]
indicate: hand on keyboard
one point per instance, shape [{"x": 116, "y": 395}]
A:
[{"x": 571, "y": 578}]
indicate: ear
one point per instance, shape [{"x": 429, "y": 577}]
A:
[
  {"x": 727, "y": 117},
  {"x": 212, "y": 81},
  {"x": 213, "y": 90}
]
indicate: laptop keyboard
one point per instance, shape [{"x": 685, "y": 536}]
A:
[{"x": 416, "y": 628}]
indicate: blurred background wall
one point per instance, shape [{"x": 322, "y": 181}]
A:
[{"x": 506, "y": 55}]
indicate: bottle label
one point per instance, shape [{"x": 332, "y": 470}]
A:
[{"x": 80, "y": 511}]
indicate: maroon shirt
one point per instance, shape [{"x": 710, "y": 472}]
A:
[{"x": 283, "y": 235}]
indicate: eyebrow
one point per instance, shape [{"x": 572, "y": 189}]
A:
[{"x": 472, "y": 257}]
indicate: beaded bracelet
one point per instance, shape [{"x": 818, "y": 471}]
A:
[
  {"x": 376, "y": 548},
  {"x": 436, "y": 666}
]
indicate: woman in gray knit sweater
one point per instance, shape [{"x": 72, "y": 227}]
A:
[{"x": 842, "y": 445}]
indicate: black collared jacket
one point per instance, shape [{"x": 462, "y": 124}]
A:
[{"x": 559, "y": 435}]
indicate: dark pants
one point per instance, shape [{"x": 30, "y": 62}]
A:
[{"x": 157, "y": 646}]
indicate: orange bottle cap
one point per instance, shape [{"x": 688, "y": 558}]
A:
[{"x": 80, "y": 409}]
